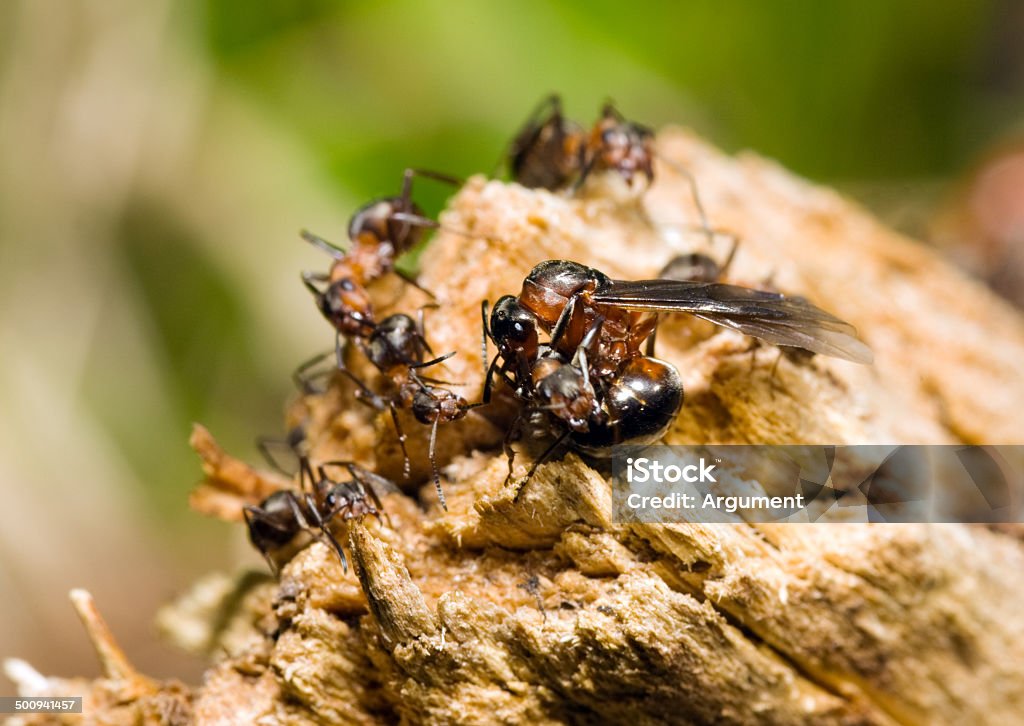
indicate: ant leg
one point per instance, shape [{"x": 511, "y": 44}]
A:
[
  {"x": 406, "y": 467},
  {"x": 433, "y": 464},
  {"x": 409, "y": 174},
  {"x": 418, "y": 220},
  {"x": 326, "y": 533},
  {"x": 363, "y": 393},
  {"x": 488, "y": 379},
  {"x": 308, "y": 278},
  {"x": 303, "y": 381},
  {"x": 563, "y": 321},
  {"x": 263, "y": 444},
  {"x": 411, "y": 279},
  {"x": 608, "y": 110},
  {"x": 484, "y": 336},
  {"x": 250, "y": 513},
  {"x": 586, "y": 168},
  {"x": 694, "y": 194},
  {"x": 731, "y": 256},
  {"x": 513, "y": 433},
  {"x": 434, "y": 362},
  {"x": 548, "y": 452},
  {"x": 652, "y": 338},
  {"x": 339, "y": 351},
  {"x": 421, "y": 330},
  {"x": 306, "y": 472},
  {"x": 320, "y": 243},
  {"x": 753, "y": 356}
]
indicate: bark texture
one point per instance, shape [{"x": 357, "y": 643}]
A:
[{"x": 545, "y": 611}]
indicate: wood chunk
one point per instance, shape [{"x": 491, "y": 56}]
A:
[{"x": 545, "y": 611}]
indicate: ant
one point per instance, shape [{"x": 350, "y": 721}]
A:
[
  {"x": 279, "y": 519},
  {"x": 592, "y": 378},
  {"x": 592, "y": 409},
  {"x": 632, "y": 405},
  {"x": 396, "y": 347},
  {"x": 553, "y": 152},
  {"x": 380, "y": 232}
]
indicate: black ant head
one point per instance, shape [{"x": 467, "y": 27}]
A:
[
  {"x": 693, "y": 267},
  {"x": 432, "y": 403},
  {"x": 348, "y": 499},
  {"x": 395, "y": 341},
  {"x": 346, "y": 304},
  {"x": 513, "y": 328}
]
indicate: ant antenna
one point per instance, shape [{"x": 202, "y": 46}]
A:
[
  {"x": 433, "y": 464},
  {"x": 329, "y": 247}
]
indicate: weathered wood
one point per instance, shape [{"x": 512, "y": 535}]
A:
[{"x": 545, "y": 611}]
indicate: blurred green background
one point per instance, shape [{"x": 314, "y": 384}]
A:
[{"x": 157, "y": 159}]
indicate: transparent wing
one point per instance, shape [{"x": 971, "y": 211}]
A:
[{"x": 770, "y": 316}]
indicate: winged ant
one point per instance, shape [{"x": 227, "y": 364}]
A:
[{"x": 593, "y": 381}]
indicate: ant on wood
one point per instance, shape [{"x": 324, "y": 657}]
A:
[
  {"x": 592, "y": 382},
  {"x": 276, "y": 523}
]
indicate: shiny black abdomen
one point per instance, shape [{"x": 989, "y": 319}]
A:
[{"x": 641, "y": 403}]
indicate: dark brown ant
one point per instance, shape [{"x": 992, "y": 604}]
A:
[
  {"x": 553, "y": 152},
  {"x": 592, "y": 378},
  {"x": 634, "y": 404},
  {"x": 276, "y": 523},
  {"x": 396, "y": 347},
  {"x": 545, "y": 154},
  {"x": 380, "y": 232},
  {"x": 698, "y": 267}
]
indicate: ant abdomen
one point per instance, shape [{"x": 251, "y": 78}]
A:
[
  {"x": 375, "y": 223},
  {"x": 641, "y": 402}
]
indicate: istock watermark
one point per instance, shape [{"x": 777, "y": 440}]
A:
[
  {"x": 642, "y": 470},
  {"x": 719, "y": 483}
]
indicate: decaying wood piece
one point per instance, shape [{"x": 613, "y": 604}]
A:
[
  {"x": 545, "y": 610},
  {"x": 121, "y": 695}
]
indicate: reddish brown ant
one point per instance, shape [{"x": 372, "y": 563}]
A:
[
  {"x": 592, "y": 378},
  {"x": 276, "y": 523},
  {"x": 380, "y": 232},
  {"x": 553, "y": 152},
  {"x": 592, "y": 410},
  {"x": 396, "y": 347}
]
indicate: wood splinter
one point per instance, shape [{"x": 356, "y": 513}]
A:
[{"x": 115, "y": 664}]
